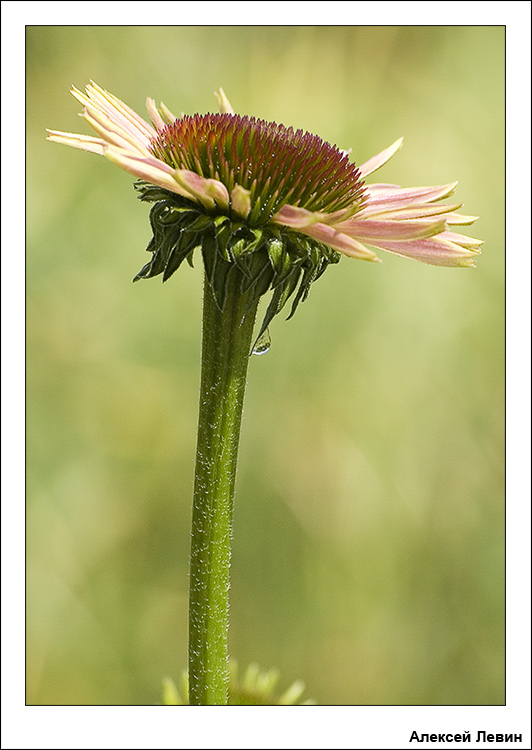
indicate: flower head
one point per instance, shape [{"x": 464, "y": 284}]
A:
[{"x": 279, "y": 203}]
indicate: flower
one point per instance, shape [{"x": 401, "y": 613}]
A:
[
  {"x": 280, "y": 203},
  {"x": 269, "y": 174}
]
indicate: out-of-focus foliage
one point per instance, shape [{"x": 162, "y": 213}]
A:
[
  {"x": 368, "y": 543},
  {"x": 253, "y": 687}
]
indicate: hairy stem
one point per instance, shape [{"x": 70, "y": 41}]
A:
[{"x": 227, "y": 337}]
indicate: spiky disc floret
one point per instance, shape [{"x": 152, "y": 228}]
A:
[{"x": 276, "y": 164}]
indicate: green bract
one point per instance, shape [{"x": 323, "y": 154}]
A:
[{"x": 269, "y": 257}]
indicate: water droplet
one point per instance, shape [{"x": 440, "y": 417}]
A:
[{"x": 263, "y": 343}]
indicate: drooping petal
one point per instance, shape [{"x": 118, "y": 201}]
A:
[
  {"x": 217, "y": 190},
  {"x": 340, "y": 241},
  {"x": 377, "y": 161},
  {"x": 167, "y": 116},
  {"x": 337, "y": 217},
  {"x": 147, "y": 168},
  {"x": 159, "y": 115},
  {"x": 154, "y": 113},
  {"x": 116, "y": 108},
  {"x": 460, "y": 219},
  {"x": 112, "y": 117},
  {"x": 384, "y": 200},
  {"x": 419, "y": 212},
  {"x": 470, "y": 243},
  {"x": 298, "y": 218},
  {"x": 436, "y": 251},
  {"x": 380, "y": 187},
  {"x": 84, "y": 142},
  {"x": 241, "y": 201},
  {"x": 295, "y": 217},
  {"x": 224, "y": 105},
  {"x": 111, "y": 132},
  {"x": 208, "y": 192},
  {"x": 367, "y": 229}
]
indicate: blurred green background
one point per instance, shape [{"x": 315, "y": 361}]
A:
[{"x": 369, "y": 521}]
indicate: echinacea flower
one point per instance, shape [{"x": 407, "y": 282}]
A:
[{"x": 279, "y": 202}]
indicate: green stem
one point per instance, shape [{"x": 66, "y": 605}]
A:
[{"x": 227, "y": 337}]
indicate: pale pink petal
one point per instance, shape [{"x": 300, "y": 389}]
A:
[
  {"x": 470, "y": 243},
  {"x": 111, "y": 131},
  {"x": 384, "y": 200},
  {"x": 146, "y": 168},
  {"x": 85, "y": 142},
  {"x": 339, "y": 241},
  {"x": 295, "y": 217},
  {"x": 154, "y": 114},
  {"x": 367, "y": 229},
  {"x": 380, "y": 187},
  {"x": 337, "y": 217},
  {"x": 418, "y": 212},
  {"x": 208, "y": 192},
  {"x": 111, "y": 115},
  {"x": 380, "y": 191},
  {"x": 460, "y": 219},
  {"x": 80, "y": 96},
  {"x": 241, "y": 201},
  {"x": 377, "y": 161},
  {"x": 224, "y": 105},
  {"x": 167, "y": 116},
  {"x": 112, "y": 105},
  {"x": 436, "y": 251},
  {"x": 149, "y": 159},
  {"x": 217, "y": 191}
]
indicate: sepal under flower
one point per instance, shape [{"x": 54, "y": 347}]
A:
[{"x": 270, "y": 258}]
